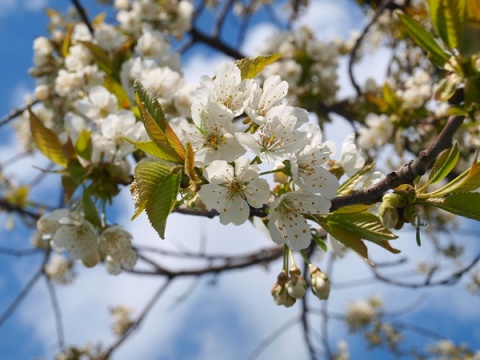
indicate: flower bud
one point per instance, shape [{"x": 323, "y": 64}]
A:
[
  {"x": 320, "y": 283},
  {"x": 296, "y": 285},
  {"x": 388, "y": 215},
  {"x": 279, "y": 291}
]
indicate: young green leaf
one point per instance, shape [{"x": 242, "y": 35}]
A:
[
  {"x": 447, "y": 87},
  {"x": 463, "y": 204},
  {"x": 347, "y": 238},
  {"x": 84, "y": 146},
  {"x": 149, "y": 147},
  {"x": 349, "y": 185},
  {"x": 250, "y": 67},
  {"x": 424, "y": 39},
  {"x": 163, "y": 202},
  {"x": 148, "y": 176},
  {"x": 364, "y": 225},
  {"x": 444, "y": 164},
  {"x": 157, "y": 128},
  {"x": 46, "y": 141},
  {"x": 468, "y": 181}
]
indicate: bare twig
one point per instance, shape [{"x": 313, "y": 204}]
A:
[
  {"x": 26, "y": 290},
  {"x": 58, "y": 314},
  {"x": 16, "y": 112},
  {"x": 83, "y": 15},
  {"x": 136, "y": 324},
  {"x": 215, "y": 43},
  {"x": 358, "y": 43}
]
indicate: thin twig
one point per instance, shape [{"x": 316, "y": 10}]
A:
[
  {"x": 136, "y": 324},
  {"x": 58, "y": 314},
  {"x": 83, "y": 15},
  {"x": 26, "y": 290},
  {"x": 359, "y": 41}
]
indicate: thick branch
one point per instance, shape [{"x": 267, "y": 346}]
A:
[
  {"x": 215, "y": 43},
  {"x": 407, "y": 173}
]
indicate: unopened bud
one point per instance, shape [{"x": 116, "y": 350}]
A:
[
  {"x": 409, "y": 213},
  {"x": 388, "y": 215},
  {"x": 296, "y": 285},
  {"x": 320, "y": 283},
  {"x": 279, "y": 291}
]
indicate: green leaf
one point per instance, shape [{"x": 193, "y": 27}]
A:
[
  {"x": 464, "y": 204},
  {"x": 151, "y": 148},
  {"x": 148, "y": 176},
  {"x": 117, "y": 89},
  {"x": 90, "y": 210},
  {"x": 100, "y": 57},
  {"x": 353, "y": 208},
  {"x": 250, "y": 67},
  {"x": 390, "y": 97},
  {"x": 47, "y": 141},
  {"x": 444, "y": 164},
  {"x": 347, "y": 238},
  {"x": 349, "y": 185},
  {"x": 163, "y": 202},
  {"x": 84, "y": 146},
  {"x": 69, "y": 186},
  {"x": 157, "y": 128},
  {"x": 468, "y": 36},
  {"x": 365, "y": 225},
  {"x": 468, "y": 181},
  {"x": 472, "y": 90},
  {"x": 424, "y": 39},
  {"x": 447, "y": 87}
]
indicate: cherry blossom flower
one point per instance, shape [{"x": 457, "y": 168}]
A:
[
  {"x": 308, "y": 173},
  {"x": 232, "y": 189},
  {"x": 277, "y": 137},
  {"x": 212, "y": 134},
  {"x": 286, "y": 222},
  {"x": 350, "y": 158},
  {"x": 98, "y": 104},
  {"x": 116, "y": 245},
  {"x": 272, "y": 94},
  {"x": 226, "y": 88}
]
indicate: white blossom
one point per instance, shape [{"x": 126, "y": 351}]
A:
[
  {"x": 378, "y": 131},
  {"x": 232, "y": 189},
  {"x": 212, "y": 134},
  {"x": 116, "y": 245},
  {"x": 277, "y": 138},
  {"x": 98, "y": 104},
  {"x": 272, "y": 94},
  {"x": 226, "y": 88},
  {"x": 152, "y": 44},
  {"x": 286, "y": 222},
  {"x": 122, "y": 317},
  {"x": 350, "y": 158},
  {"x": 58, "y": 269}
]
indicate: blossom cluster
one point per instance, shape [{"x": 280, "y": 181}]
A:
[
  {"x": 69, "y": 231},
  {"x": 276, "y": 134}
]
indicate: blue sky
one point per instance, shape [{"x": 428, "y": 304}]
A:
[{"x": 225, "y": 317}]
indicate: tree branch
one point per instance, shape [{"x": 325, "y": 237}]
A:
[{"x": 407, "y": 173}]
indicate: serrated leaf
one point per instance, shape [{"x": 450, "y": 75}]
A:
[
  {"x": 151, "y": 148},
  {"x": 349, "y": 185},
  {"x": 100, "y": 57},
  {"x": 89, "y": 210},
  {"x": 163, "y": 202},
  {"x": 148, "y": 176},
  {"x": 46, "y": 141},
  {"x": 156, "y": 126},
  {"x": 424, "y": 39},
  {"x": 468, "y": 181},
  {"x": 347, "y": 238},
  {"x": 251, "y": 67},
  {"x": 444, "y": 164},
  {"x": 465, "y": 204},
  {"x": 365, "y": 225},
  {"x": 447, "y": 16},
  {"x": 83, "y": 145}
]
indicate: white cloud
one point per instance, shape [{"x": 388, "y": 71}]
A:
[{"x": 35, "y": 5}]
